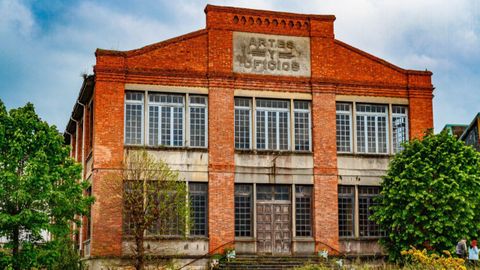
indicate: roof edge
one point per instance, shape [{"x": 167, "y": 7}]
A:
[
  {"x": 383, "y": 62},
  {"x": 151, "y": 47},
  {"x": 209, "y": 8}
]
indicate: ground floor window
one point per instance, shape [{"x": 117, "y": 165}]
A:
[
  {"x": 243, "y": 210},
  {"x": 198, "y": 194},
  {"x": 355, "y": 208},
  {"x": 168, "y": 223},
  {"x": 303, "y": 210}
]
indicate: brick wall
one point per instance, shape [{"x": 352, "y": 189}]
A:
[{"x": 204, "y": 59}]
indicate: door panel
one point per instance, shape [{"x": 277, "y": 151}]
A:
[{"x": 274, "y": 233}]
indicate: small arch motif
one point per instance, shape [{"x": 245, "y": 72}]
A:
[{"x": 270, "y": 22}]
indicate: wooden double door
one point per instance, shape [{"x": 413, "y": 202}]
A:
[{"x": 274, "y": 219}]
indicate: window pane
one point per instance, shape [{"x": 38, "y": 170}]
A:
[
  {"x": 153, "y": 125},
  {"x": 399, "y": 127},
  {"x": 283, "y": 130},
  {"x": 346, "y": 210},
  {"x": 197, "y": 126},
  {"x": 198, "y": 208},
  {"x": 371, "y": 131},
  {"x": 261, "y": 132},
  {"x": 166, "y": 125},
  {"x": 361, "y": 134},
  {"x": 343, "y": 127},
  {"x": 242, "y": 123},
  {"x": 243, "y": 210},
  {"x": 382, "y": 134},
  {"x": 303, "y": 210},
  {"x": 133, "y": 123},
  {"x": 302, "y": 131},
  {"x": 177, "y": 126},
  {"x": 272, "y": 130},
  {"x": 366, "y": 197}
]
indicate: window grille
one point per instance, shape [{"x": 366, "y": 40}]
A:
[
  {"x": 243, "y": 210},
  {"x": 133, "y": 118},
  {"x": 198, "y": 121},
  {"x": 346, "y": 210},
  {"x": 166, "y": 117},
  {"x": 303, "y": 210},
  {"x": 399, "y": 127},
  {"x": 302, "y": 125},
  {"x": 198, "y": 193},
  {"x": 372, "y": 128},
  {"x": 344, "y": 127},
  {"x": 367, "y": 227},
  {"x": 272, "y": 123},
  {"x": 242, "y": 123}
]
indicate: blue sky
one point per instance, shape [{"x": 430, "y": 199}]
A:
[{"x": 45, "y": 46}]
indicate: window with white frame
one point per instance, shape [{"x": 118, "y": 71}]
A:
[
  {"x": 372, "y": 128},
  {"x": 399, "y": 127},
  {"x": 242, "y": 123},
  {"x": 166, "y": 119},
  {"x": 133, "y": 118},
  {"x": 198, "y": 121},
  {"x": 167, "y": 122},
  {"x": 272, "y": 124},
  {"x": 344, "y": 127},
  {"x": 301, "y": 120}
]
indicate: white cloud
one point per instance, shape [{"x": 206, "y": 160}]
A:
[{"x": 15, "y": 16}]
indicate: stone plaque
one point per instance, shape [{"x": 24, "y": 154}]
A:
[{"x": 271, "y": 54}]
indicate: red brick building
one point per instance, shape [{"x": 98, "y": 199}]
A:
[{"x": 281, "y": 131}]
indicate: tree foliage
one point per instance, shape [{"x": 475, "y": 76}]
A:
[
  {"x": 40, "y": 191},
  {"x": 154, "y": 195},
  {"x": 430, "y": 196}
]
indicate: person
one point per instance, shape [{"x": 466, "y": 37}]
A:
[
  {"x": 461, "y": 249},
  {"x": 473, "y": 253}
]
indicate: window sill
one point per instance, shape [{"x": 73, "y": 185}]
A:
[
  {"x": 273, "y": 152},
  {"x": 157, "y": 238},
  {"x": 167, "y": 148},
  {"x": 303, "y": 239},
  {"x": 362, "y": 238},
  {"x": 367, "y": 155}
]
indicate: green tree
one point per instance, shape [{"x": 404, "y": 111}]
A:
[
  {"x": 154, "y": 196},
  {"x": 430, "y": 196},
  {"x": 40, "y": 190}
]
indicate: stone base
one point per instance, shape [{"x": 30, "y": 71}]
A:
[{"x": 116, "y": 263}]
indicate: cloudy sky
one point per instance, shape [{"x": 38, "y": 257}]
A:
[{"x": 45, "y": 46}]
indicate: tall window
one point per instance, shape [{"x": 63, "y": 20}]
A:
[
  {"x": 133, "y": 118},
  {"x": 399, "y": 127},
  {"x": 166, "y": 119},
  {"x": 372, "y": 128},
  {"x": 302, "y": 125},
  {"x": 346, "y": 210},
  {"x": 303, "y": 210},
  {"x": 367, "y": 227},
  {"x": 198, "y": 208},
  {"x": 272, "y": 124},
  {"x": 198, "y": 121},
  {"x": 242, "y": 123},
  {"x": 344, "y": 127},
  {"x": 243, "y": 210}
]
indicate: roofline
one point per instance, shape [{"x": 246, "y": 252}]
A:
[
  {"x": 151, "y": 47},
  {"x": 209, "y": 8},
  {"x": 86, "y": 91},
  {"x": 383, "y": 62},
  {"x": 470, "y": 126}
]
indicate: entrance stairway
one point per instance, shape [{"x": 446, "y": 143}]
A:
[{"x": 252, "y": 262}]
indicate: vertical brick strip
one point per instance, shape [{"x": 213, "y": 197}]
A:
[
  {"x": 221, "y": 166},
  {"x": 420, "y": 114},
  {"x": 107, "y": 185},
  {"x": 325, "y": 207}
]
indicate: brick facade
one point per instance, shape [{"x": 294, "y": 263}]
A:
[{"x": 204, "y": 59}]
